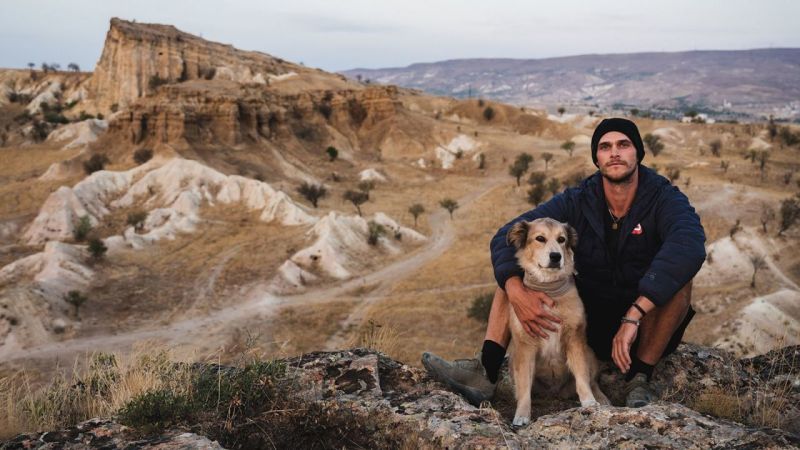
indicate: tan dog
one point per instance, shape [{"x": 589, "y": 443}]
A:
[{"x": 545, "y": 252}]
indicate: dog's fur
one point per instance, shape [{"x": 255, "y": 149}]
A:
[{"x": 551, "y": 360}]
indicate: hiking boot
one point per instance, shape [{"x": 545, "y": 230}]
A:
[
  {"x": 638, "y": 392},
  {"x": 464, "y": 376}
]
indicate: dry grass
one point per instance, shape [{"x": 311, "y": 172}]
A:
[
  {"x": 297, "y": 330},
  {"x": 377, "y": 337},
  {"x": 109, "y": 382}
]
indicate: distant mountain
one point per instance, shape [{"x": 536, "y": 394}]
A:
[{"x": 724, "y": 83}]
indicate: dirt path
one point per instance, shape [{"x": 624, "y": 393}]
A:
[{"x": 260, "y": 303}]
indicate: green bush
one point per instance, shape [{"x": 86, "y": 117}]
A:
[
  {"x": 54, "y": 117},
  {"x": 136, "y": 219},
  {"x": 82, "y": 228},
  {"x": 481, "y": 305},
  {"x": 375, "y": 231},
  {"x": 155, "y": 410},
  {"x": 488, "y": 113},
  {"x": 97, "y": 248}
]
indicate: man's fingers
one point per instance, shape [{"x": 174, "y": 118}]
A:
[
  {"x": 546, "y": 300},
  {"x": 543, "y": 323},
  {"x": 550, "y": 317},
  {"x": 533, "y": 330}
]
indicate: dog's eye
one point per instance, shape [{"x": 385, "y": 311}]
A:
[
  {"x": 561, "y": 239},
  {"x": 541, "y": 239}
]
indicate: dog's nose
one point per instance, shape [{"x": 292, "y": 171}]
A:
[{"x": 555, "y": 256}]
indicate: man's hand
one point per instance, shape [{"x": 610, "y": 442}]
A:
[
  {"x": 621, "y": 346},
  {"x": 530, "y": 310}
]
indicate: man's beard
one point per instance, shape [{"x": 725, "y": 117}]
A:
[{"x": 622, "y": 179}]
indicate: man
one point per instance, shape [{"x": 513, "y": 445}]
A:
[{"x": 640, "y": 243}]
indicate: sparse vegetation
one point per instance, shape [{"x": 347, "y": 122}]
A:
[
  {"x": 758, "y": 262},
  {"x": 536, "y": 178},
  {"x": 767, "y": 216},
  {"x": 450, "y": 205},
  {"x": 95, "y": 163},
  {"x": 357, "y": 198},
  {"x": 332, "y": 152},
  {"x": 76, "y": 299},
  {"x": 561, "y": 110},
  {"x": 653, "y": 143},
  {"x": 156, "y": 81},
  {"x": 724, "y": 165},
  {"x": 520, "y": 166},
  {"x": 546, "y": 157},
  {"x": 357, "y": 111},
  {"x": 97, "y": 248},
  {"x": 374, "y": 232},
  {"x": 716, "y": 147},
  {"x": 136, "y": 220},
  {"x": 536, "y": 194},
  {"x": 82, "y": 228},
  {"x": 480, "y": 307},
  {"x": 416, "y": 209},
  {"x": 790, "y": 211},
  {"x": 481, "y": 161},
  {"x": 312, "y": 192},
  {"x": 673, "y": 174},
  {"x": 569, "y": 147},
  {"x": 142, "y": 155},
  {"x": 488, "y": 113}
]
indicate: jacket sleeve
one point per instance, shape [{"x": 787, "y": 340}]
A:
[
  {"x": 504, "y": 258},
  {"x": 682, "y": 252}
]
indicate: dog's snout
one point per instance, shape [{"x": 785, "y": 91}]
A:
[{"x": 555, "y": 256}]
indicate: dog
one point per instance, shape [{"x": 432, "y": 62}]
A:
[{"x": 545, "y": 252}]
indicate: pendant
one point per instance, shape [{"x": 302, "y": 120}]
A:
[{"x": 614, "y": 226}]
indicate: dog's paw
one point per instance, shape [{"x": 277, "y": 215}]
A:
[
  {"x": 521, "y": 421},
  {"x": 589, "y": 403}
]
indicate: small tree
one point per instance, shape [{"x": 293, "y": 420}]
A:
[
  {"x": 536, "y": 194},
  {"x": 737, "y": 227},
  {"x": 73, "y": 67},
  {"x": 724, "y": 165},
  {"x": 536, "y": 178},
  {"x": 488, "y": 113},
  {"x": 547, "y": 156},
  {"x": 312, "y": 192},
  {"x": 758, "y": 262},
  {"x": 767, "y": 215},
  {"x": 772, "y": 129},
  {"x": 82, "y": 229},
  {"x": 136, "y": 220},
  {"x": 520, "y": 166},
  {"x": 568, "y": 147},
  {"x": 96, "y": 162},
  {"x": 97, "y": 248},
  {"x": 375, "y": 231},
  {"x": 751, "y": 154},
  {"x": 142, "y": 155},
  {"x": 332, "y": 153},
  {"x": 76, "y": 299},
  {"x": 790, "y": 211},
  {"x": 416, "y": 209},
  {"x": 553, "y": 186},
  {"x": 357, "y": 198},
  {"x": 763, "y": 157},
  {"x": 450, "y": 205},
  {"x": 561, "y": 110},
  {"x": 716, "y": 147},
  {"x": 673, "y": 173},
  {"x": 481, "y": 161},
  {"x": 653, "y": 143}
]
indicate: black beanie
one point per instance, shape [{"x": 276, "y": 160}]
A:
[{"x": 625, "y": 127}]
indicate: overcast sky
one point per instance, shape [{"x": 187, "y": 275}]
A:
[{"x": 345, "y": 34}]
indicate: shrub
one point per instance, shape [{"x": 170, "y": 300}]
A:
[
  {"x": 312, "y": 192},
  {"x": 325, "y": 109},
  {"x": 520, "y": 166},
  {"x": 40, "y": 130},
  {"x": 488, "y": 113},
  {"x": 156, "y": 81},
  {"x": 790, "y": 211},
  {"x": 142, "y": 155},
  {"x": 536, "y": 194},
  {"x": 76, "y": 299},
  {"x": 84, "y": 116},
  {"x": 374, "y": 232},
  {"x": 155, "y": 410},
  {"x": 568, "y": 147},
  {"x": 561, "y": 110},
  {"x": 332, "y": 152},
  {"x": 357, "y": 111},
  {"x": 96, "y": 162},
  {"x": 136, "y": 219},
  {"x": 481, "y": 161},
  {"x": 357, "y": 198},
  {"x": 480, "y": 308},
  {"x": 653, "y": 143},
  {"x": 366, "y": 186},
  {"x": 82, "y": 228},
  {"x": 716, "y": 147},
  {"x": 97, "y": 248},
  {"x": 54, "y": 117},
  {"x": 547, "y": 156},
  {"x": 536, "y": 178},
  {"x": 673, "y": 173}
]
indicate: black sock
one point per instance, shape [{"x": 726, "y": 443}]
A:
[
  {"x": 639, "y": 366},
  {"x": 492, "y": 358}
]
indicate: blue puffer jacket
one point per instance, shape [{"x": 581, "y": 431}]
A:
[{"x": 658, "y": 259}]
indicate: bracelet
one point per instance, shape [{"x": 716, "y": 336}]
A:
[
  {"x": 626, "y": 320},
  {"x": 639, "y": 308}
]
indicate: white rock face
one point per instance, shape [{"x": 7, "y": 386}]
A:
[
  {"x": 171, "y": 190},
  {"x": 371, "y": 174},
  {"x": 447, "y": 154},
  {"x": 49, "y": 94},
  {"x": 768, "y": 322},
  {"x": 340, "y": 249},
  {"x": 79, "y": 134},
  {"x": 239, "y": 74}
]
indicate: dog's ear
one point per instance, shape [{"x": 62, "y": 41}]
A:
[
  {"x": 572, "y": 237},
  {"x": 518, "y": 234}
]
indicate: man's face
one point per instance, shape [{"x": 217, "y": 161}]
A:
[{"x": 616, "y": 157}]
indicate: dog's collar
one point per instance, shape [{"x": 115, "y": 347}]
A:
[{"x": 552, "y": 288}]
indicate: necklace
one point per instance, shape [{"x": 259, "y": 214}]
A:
[{"x": 614, "y": 219}]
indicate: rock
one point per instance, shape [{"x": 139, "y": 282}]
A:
[{"x": 362, "y": 398}]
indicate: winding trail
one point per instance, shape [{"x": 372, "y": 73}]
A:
[{"x": 259, "y": 303}]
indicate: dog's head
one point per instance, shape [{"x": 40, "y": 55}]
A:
[{"x": 544, "y": 248}]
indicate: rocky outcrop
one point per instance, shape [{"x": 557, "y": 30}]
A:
[{"x": 366, "y": 399}]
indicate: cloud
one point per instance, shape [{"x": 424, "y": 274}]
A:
[{"x": 329, "y": 24}]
